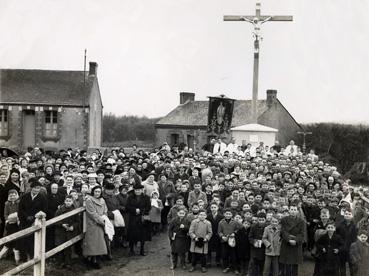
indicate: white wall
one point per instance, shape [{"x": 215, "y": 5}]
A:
[{"x": 254, "y": 137}]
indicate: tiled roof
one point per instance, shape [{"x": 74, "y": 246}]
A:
[
  {"x": 195, "y": 113},
  {"x": 44, "y": 87}
]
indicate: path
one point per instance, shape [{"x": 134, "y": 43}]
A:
[{"x": 157, "y": 263}]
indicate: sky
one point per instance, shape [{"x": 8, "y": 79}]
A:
[{"x": 148, "y": 51}]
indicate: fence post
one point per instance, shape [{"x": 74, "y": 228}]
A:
[
  {"x": 39, "y": 245},
  {"x": 84, "y": 219}
]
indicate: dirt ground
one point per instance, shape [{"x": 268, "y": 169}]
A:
[{"x": 156, "y": 263}]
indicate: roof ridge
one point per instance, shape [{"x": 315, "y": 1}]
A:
[{"x": 50, "y": 70}]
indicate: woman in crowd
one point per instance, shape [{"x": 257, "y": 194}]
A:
[{"x": 94, "y": 245}]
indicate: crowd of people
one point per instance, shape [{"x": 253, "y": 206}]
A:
[{"x": 250, "y": 210}]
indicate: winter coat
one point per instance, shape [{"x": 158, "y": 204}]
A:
[
  {"x": 112, "y": 203},
  {"x": 359, "y": 256},
  {"x": 328, "y": 262},
  {"x": 11, "y": 226},
  {"x": 61, "y": 235},
  {"x": 53, "y": 202},
  {"x": 256, "y": 234},
  {"x": 225, "y": 229},
  {"x": 181, "y": 241},
  {"x": 193, "y": 197},
  {"x": 173, "y": 212},
  {"x": 10, "y": 208},
  {"x": 214, "y": 242},
  {"x": 155, "y": 212},
  {"x": 28, "y": 208},
  {"x": 94, "y": 241},
  {"x": 348, "y": 233},
  {"x": 138, "y": 228},
  {"x": 200, "y": 229},
  {"x": 272, "y": 240},
  {"x": 291, "y": 229},
  {"x": 243, "y": 244},
  {"x": 123, "y": 207}
]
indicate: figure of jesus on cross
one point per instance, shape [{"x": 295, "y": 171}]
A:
[{"x": 257, "y": 20}]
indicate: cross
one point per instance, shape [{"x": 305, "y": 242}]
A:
[{"x": 256, "y": 20}]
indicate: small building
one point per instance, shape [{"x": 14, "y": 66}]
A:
[
  {"x": 254, "y": 134},
  {"x": 50, "y": 109},
  {"x": 187, "y": 123}
]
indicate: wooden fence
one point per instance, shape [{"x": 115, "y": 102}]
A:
[{"x": 39, "y": 230}]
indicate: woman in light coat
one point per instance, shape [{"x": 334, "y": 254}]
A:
[{"x": 94, "y": 244}]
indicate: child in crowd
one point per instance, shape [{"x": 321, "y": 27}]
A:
[
  {"x": 200, "y": 233},
  {"x": 178, "y": 236},
  {"x": 155, "y": 212},
  {"x": 359, "y": 254},
  {"x": 66, "y": 229},
  {"x": 214, "y": 216},
  {"x": 257, "y": 246},
  {"x": 329, "y": 245},
  {"x": 272, "y": 242},
  {"x": 11, "y": 224},
  {"x": 179, "y": 203},
  {"x": 243, "y": 247},
  {"x": 226, "y": 231}
]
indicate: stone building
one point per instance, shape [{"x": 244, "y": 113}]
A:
[
  {"x": 187, "y": 123},
  {"x": 50, "y": 109}
]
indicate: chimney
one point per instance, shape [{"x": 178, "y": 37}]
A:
[
  {"x": 271, "y": 98},
  {"x": 93, "y": 69},
  {"x": 186, "y": 96}
]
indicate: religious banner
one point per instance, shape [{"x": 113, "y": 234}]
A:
[{"x": 220, "y": 115}]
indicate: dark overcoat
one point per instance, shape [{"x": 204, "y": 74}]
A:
[
  {"x": 214, "y": 242},
  {"x": 328, "y": 262},
  {"x": 359, "y": 255},
  {"x": 292, "y": 229},
  {"x": 138, "y": 228},
  {"x": 181, "y": 242}
]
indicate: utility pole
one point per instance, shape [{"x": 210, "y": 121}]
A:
[{"x": 304, "y": 133}]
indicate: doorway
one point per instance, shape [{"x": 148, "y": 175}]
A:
[
  {"x": 29, "y": 128},
  {"x": 190, "y": 141}
]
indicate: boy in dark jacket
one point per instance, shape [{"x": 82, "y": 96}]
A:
[
  {"x": 226, "y": 230},
  {"x": 359, "y": 254},
  {"x": 243, "y": 248},
  {"x": 178, "y": 236},
  {"x": 66, "y": 229},
  {"x": 348, "y": 232},
  {"x": 214, "y": 244},
  {"x": 257, "y": 246},
  {"x": 328, "y": 248}
]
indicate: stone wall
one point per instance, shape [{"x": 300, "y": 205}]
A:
[{"x": 70, "y": 132}]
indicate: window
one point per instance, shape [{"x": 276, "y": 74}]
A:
[
  {"x": 3, "y": 122},
  {"x": 51, "y": 123}
]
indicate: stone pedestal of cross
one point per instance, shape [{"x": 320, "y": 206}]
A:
[{"x": 256, "y": 20}]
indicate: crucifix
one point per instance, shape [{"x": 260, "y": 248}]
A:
[{"x": 256, "y": 20}]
